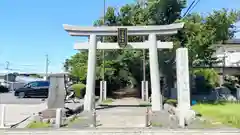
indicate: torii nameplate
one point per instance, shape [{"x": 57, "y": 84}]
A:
[{"x": 122, "y": 37}]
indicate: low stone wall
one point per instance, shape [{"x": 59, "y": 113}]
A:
[{"x": 125, "y": 131}]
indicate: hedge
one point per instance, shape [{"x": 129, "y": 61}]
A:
[
  {"x": 171, "y": 102},
  {"x": 79, "y": 89}
]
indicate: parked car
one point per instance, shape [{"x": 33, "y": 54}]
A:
[
  {"x": 3, "y": 89},
  {"x": 33, "y": 89}
]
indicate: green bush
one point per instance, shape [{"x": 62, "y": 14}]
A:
[
  {"x": 205, "y": 80},
  {"x": 79, "y": 89},
  {"x": 210, "y": 75},
  {"x": 171, "y": 102}
]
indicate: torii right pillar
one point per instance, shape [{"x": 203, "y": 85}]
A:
[{"x": 154, "y": 74}]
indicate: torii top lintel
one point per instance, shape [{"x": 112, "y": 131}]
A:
[{"x": 132, "y": 30}]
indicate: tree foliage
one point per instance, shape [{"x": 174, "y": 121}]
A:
[{"x": 125, "y": 66}]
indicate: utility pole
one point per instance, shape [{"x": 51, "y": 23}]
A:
[
  {"x": 103, "y": 83},
  {"x": 223, "y": 67},
  {"x": 144, "y": 83},
  {"x": 7, "y": 68},
  {"x": 7, "y": 65},
  {"x": 143, "y": 5},
  {"x": 47, "y": 65},
  {"x": 103, "y": 52}
]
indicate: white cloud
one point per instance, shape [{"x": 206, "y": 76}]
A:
[{"x": 237, "y": 35}]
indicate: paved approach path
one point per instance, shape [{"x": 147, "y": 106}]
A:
[
  {"x": 130, "y": 131},
  {"x": 122, "y": 116}
]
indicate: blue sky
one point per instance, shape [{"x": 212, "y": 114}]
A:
[{"x": 30, "y": 29}]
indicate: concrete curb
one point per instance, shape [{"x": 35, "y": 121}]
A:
[{"x": 120, "y": 131}]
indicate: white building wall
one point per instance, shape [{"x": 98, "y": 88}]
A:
[{"x": 231, "y": 53}]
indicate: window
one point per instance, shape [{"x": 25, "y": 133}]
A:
[
  {"x": 33, "y": 84},
  {"x": 43, "y": 84}
]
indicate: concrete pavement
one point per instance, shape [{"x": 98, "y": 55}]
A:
[
  {"x": 17, "y": 109},
  {"x": 15, "y": 113}
]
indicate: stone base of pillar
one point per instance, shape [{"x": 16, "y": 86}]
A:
[
  {"x": 88, "y": 118},
  {"x": 162, "y": 119}
]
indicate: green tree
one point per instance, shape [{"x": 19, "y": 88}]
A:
[{"x": 125, "y": 66}]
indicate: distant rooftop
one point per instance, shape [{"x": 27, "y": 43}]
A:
[{"x": 232, "y": 41}]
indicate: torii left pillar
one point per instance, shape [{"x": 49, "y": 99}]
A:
[{"x": 89, "y": 100}]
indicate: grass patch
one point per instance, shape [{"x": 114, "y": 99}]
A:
[
  {"x": 210, "y": 124},
  {"x": 73, "y": 120},
  {"x": 227, "y": 113},
  {"x": 36, "y": 124},
  {"x": 145, "y": 104},
  {"x": 154, "y": 124},
  {"x": 107, "y": 101}
]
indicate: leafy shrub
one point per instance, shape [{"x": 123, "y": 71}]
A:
[
  {"x": 206, "y": 80},
  {"x": 3, "y": 89},
  {"x": 79, "y": 89},
  {"x": 171, "y": 102}
]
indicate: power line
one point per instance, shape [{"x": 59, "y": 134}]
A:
[
  {"x": 191, "y": 7},
  {"x": 194, "y": 6}
]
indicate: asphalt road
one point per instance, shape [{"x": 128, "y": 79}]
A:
[{"x": 9, "y": 98}]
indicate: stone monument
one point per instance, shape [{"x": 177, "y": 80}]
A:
[
  {"x": 57, "y": 92},
  {"x": 183, "y": 87}
]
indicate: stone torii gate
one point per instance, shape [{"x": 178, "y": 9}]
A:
[{"x": 152, "y": 44}]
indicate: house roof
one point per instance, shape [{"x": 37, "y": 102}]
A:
[{"x": 232, "y": 41}]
